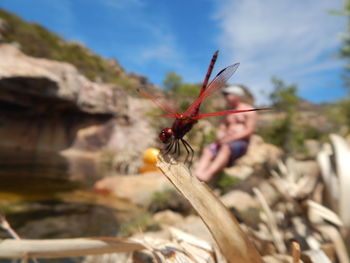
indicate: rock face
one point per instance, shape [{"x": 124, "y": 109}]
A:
[
  {"x": 139, "y": 189},
  {"x": 259, "y": 154},
  {"x": 28, "y": 82},
  {"x": 47, "y": 108}
]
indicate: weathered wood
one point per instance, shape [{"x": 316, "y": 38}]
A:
[
  {"x": 58, "y": 248},
  {"x": 232, "y": 241}
]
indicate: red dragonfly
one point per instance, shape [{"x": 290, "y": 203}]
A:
[{"x": 184, "y": 122}]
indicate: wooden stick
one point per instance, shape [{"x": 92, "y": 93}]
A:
[
  {"x": 74, "y": 247},
  {"x": 232, "y": 241}
]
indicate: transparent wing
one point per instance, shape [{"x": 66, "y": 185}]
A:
[
  {"x": 204, "y": 115},
  {"x": 168, "y": 115},
  {"x": 158, "y": 102},
  {"x": 216, "y": 84}
]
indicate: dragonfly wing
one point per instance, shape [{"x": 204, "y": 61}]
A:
[
  {"x": 216, "y": 84},
  {"x": 168, "y": 115},
  {"x": 204, "y": 115},
  {"x": 156, "y": 101}
]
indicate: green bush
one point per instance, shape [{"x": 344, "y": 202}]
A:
[
  {"x": 225, "y": 182},
  {"x": 143, "y": 222},
  {"x": 287, "y": 132}
]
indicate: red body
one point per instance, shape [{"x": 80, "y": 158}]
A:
[
  {"x": 182, "y": 125},
  {"x": 184, "y": 122}
]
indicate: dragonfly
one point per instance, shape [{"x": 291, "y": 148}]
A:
[{"x": 173, "y": 137}]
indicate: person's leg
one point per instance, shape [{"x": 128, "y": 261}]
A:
[
  {"x": 221, "y": 160},
  {"x": 204, "y": 161},
  {"x": 207, "y": 156}
]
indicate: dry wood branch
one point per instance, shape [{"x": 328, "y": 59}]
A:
[
  {"x": 342, "y": 154},
  {"x": 233, "y": 242},
  {"x": 272, "y": 224},
  {"x": 295, "y": 247},
  {"x": 56, "y": 248},
  {"x": 6, "y": 226},
  {"x": 335, "y": 236}
]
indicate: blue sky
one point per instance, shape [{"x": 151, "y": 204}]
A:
[{"x": 296, "y": 41}]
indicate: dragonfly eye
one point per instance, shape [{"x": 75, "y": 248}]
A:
[{"x": 165, "y": 135}]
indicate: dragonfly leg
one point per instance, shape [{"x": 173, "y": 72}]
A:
[
  {"x": 188, "y": 146},
  {"x": 169, "y": 147},
  {"x": 178, "y": 150},
  {"x": 187, "y": 150},
  {"x": 175, "y": 147}
]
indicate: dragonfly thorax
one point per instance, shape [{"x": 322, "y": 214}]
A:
[{"x": 166, "y": 135}]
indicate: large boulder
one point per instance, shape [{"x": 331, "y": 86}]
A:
[
  {"x": 139, "y": 189},
  {"x": 50, "y": 113},
  {"x": 46, "y": 84},
  {"x": 259, "y": 156}
]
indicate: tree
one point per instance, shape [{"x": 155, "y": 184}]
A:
[
  {"x": 284, "y": 132},
  {"x": 172, "y": 81},
  {"x": 283, "y": 97},
  {"x": 345, "y": 49}
]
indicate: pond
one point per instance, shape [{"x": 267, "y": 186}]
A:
[{"x": 52, "y": 197}]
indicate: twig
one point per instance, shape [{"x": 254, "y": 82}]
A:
[
  {"x": 73, "y": 247},
  {"x": 232, "y": 241}
]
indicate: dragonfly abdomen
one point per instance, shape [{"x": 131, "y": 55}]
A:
[{"x": 182, "y": 126}]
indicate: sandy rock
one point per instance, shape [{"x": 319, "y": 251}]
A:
[
  {"x": 38, "y": 78},
  {"x": 194, "y": 225},
  {"x": 139, "y": 189},
  {"x": 269, "y": 192},
  {"x": 308, "y": 167},
  {"x": 240, "y": 171},
  {"x": 312, "y": 147},
  {"x": 51, "y": 112},
  {"x": 259, "y": 153},
  {"x": 3, "y": 28},
  {"x": 239, "y": 200},
  {"x": 168, "y": 217}
]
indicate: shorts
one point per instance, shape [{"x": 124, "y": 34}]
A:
[{"x": 237, "y": 149}]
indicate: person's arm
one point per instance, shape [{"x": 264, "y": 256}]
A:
[
  {"x": 221, "y": 131},
  {"x": 242, "y": 133}
]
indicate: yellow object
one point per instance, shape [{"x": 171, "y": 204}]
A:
[
  {"x": 150, "y": 156},
  {"x": 147, "y": 169}
]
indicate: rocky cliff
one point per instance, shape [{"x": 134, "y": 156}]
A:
[{"x": 48, "y": 108}]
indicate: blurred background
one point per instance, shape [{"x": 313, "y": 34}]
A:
[{"x": 75, "y": 135}]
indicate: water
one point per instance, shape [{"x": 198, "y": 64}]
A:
[{"x": 43, "y": 199}]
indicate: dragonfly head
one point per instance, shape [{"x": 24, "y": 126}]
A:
[{"x": 165, "y": 135}]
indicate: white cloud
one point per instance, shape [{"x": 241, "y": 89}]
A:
[
  {"x": 284, "y": 38},
  {"x": 162, "y": 47}
]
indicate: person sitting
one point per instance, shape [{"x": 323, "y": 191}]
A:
[{"x": 233, "y": 134}]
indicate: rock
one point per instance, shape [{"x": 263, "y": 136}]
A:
[
  {"x": 313, "y": 147},
  {"x": 195, "y": 226},
  {"x": 270, "y": 193},
  {"x": 239, "y": 200},
  {"x": 52, "y": 116},
  {"x": 3, "y": 28},
  {"x": 259, "y": 154},
  {"x": 168, "y": 217},
  {"x": 240, "y": 171},
  {"x": 59, "y": 219},
  {"x": 46, "y": 84},
  {"x": 299, "y": 167},
  {"x": 139, "y": 189}
]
